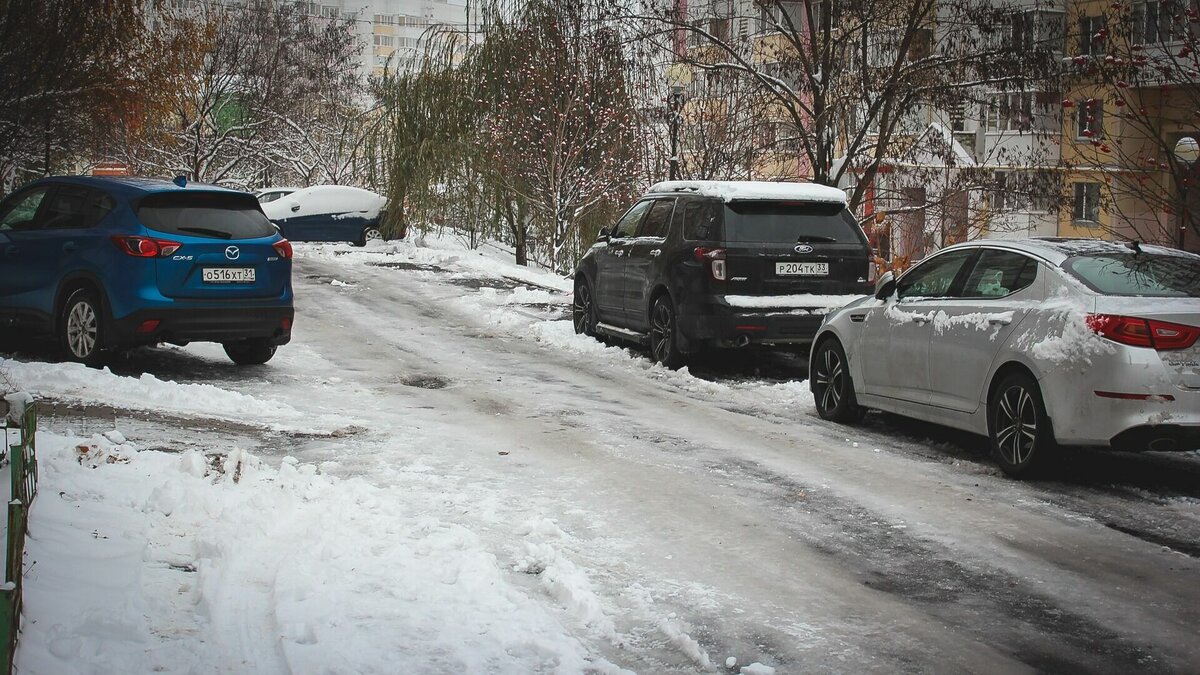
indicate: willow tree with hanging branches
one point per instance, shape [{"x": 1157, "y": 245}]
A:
[{"x": 524, "y": 131}]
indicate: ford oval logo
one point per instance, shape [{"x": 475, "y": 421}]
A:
[
  {"x": 232, "y": 252},
  {"x": 803, "y": 248}
]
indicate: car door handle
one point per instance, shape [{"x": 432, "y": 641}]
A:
[
  {"x": 999, "y": 320},
  {"x": 922, "y": 320},
  {"x": 70, "y": 246},
  {"x": 654, "y": 253},
  {"x": 296, "y": 207}
]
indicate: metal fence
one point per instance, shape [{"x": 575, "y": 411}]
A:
[{"x": 23, "y": 472}]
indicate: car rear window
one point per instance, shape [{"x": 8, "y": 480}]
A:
[
  {"x": 790, "y": 222},
  {"x": 205, "y": 214},
  {"x": 1144, "y": 274}
]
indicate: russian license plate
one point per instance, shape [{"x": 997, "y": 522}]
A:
[
  {"x": 228, "y": 275},
  {"x": 802, "y": 269}
]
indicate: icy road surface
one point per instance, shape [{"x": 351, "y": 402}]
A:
[{"x": 438, "y": 476}]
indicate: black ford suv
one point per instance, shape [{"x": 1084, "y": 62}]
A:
[{"x": 698, "y": 264}]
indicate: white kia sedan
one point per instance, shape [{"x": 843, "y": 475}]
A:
[{"x": 1036, "y": 343}]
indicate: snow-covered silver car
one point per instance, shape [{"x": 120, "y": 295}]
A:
[{"x": 1035, "y": 343}]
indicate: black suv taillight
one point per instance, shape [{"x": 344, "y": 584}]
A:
[{"x": 714, "y": 260}]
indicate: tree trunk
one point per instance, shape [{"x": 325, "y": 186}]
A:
[{"x": 519, "y": 229}]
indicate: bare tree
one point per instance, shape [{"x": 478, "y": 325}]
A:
[
  {"x": 560, "y": 130},
  {"x": 1135, "y": 69},
  {"x": 855, "y": 81},
  {"x": 268, "y": 71},
  {"x": 77, "y": 77}
]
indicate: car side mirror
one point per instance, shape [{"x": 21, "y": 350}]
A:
[
  {"x": 604, "y": 234},
  {"x": 885, "y": 285}
]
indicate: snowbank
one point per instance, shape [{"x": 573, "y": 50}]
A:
[
  {"x": 76, "y": 382},
  {"x": 146, "y": 561}
]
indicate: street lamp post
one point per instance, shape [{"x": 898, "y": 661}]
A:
[
  {"x": 679, "y": 76},
  {"x": 1187, "y": 151}
]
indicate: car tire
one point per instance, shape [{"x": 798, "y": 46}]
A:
[
  {"x": 1022, "y": 441},
  {"x": 664, "y": 335},
  {"x": 250, "y": 352},
  {"x": 81, "y": 327},
  {"x": 833, "y": 390},
  {"x": 583, "y": 310},
  {"x": 370, "y": 234}
]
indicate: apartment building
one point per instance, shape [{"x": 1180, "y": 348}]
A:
[
  {"x": 1132, "y": 90},
  {"x": 1074, "y": 139},
  {"x": 394, "y": 32}
]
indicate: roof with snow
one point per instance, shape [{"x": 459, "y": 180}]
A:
[
  {"x": 1058, "y": 249},
  {"x": 730, "y": 190}
]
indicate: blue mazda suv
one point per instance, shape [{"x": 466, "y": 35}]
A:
[{"x": 103, "y": 264}]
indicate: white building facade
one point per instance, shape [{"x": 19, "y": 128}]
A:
[{"x": 393, "y": 32}]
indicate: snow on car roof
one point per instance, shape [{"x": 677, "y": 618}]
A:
[
  {"x": 1069, "y": 246},
  {"x": 730, "y": 190},
  {"x": 1058, "y": 249},
  {"x": 324, "y": 199}
]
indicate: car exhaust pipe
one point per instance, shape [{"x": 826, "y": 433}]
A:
[
  {"x": 741, "y": 340},
  {"x": 1163, "y": 445}
]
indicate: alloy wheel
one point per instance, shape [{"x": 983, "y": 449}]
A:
[
  {"x": 82, "y": 330},
  {"x": 581, "y": 310},
  {"x": 661, "y": 332},
  {"x": 829, "y": 379},
  {"x": 1016, "y": 425}
]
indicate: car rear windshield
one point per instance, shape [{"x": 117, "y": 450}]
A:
[
  {"x": 205, "y": 214},
  {"x": 790, "y": 222},
  {"x": 1146, "y": 274}
]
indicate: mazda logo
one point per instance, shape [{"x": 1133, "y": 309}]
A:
[
  {"x": 803, "y": 248},
  {"x": 232, "y": 252}
]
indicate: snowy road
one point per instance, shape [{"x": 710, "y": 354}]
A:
[{"x": 636, "y": 518}]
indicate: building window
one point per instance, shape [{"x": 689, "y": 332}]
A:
[
  {"x": 1009, "y": 112},
  {"x": 825, "y": 15},
  {"x": 999, "y": 198},
  {"x": 793, "y": 12},
  {"x": 1156, "y": 21},
  {"x": 719, "y": 29},
  {"x": 384, "y": 41},
  {"x": 1087, "y": 204},
  {"x": 1149, "y": 23},
  {"x": 1089, "y": 119},
  {"x": 1034, "y": 31},
  {"x": 1027, "y": 191},
  {"x": 330, "y": 12},
  {"x": 1091, "y": 35}
]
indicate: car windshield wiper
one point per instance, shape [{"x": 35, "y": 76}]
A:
[
  {"x": 204, "y": 230},
  {"x": 811, "y": 238}
]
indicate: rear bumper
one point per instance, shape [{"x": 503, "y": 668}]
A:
[
  {"x": 739, "y": 328},
  {"x": 1089, "y": 404},
  {"x": 203, "y": 324},
  {"x": 1163, "y": 437}
]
